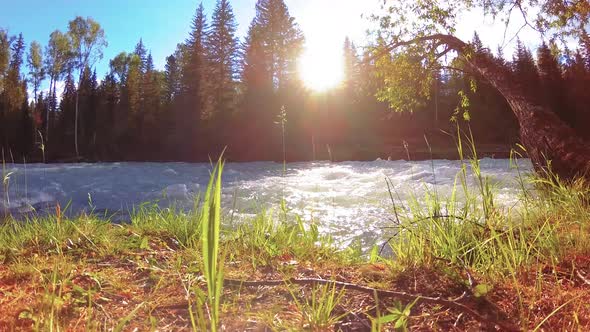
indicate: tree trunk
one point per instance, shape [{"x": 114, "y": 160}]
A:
[
  {"x": 48, "y": 110},
  {"x": 76, "y": 116},
  {"x": 551, "y": 144}
]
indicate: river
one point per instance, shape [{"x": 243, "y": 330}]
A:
[{"x": 349, "y": 199}]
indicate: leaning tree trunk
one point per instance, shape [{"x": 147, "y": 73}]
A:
[{"x": 550, "y": 142}]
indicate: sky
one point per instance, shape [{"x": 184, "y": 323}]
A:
[{"x": 162, "y": 24}]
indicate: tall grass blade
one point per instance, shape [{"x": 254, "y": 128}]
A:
[{"x": 211, "y": 225}]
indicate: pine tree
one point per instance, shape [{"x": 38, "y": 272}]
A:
[
  {"x": 107, "y": 130},
  {"x": 577, "y": 81},
  {"x": 25, "y": 138},
  {"x": 194, "y": 64},
  {"x": 149, "y": 64},
  {"x": 255, "y": 75},
  {"x": 222, "y": 49},
  {"x": 351, "y": 68},
  {"x": 500, "y": 56},
  {"x": 192, "y": 58},
  {"x": 14, "y": 90},
  {"x": 152, "y": 99},
  {"x": 477, "y": 44},
  {"x": 254, "y": 117},
  {"x": 5, "y": 43},
  {"x": 88, "y": 111},
  {"x": 142, "y": 53},
  {"x": 270, "y": 81},
  {"x": 67, "y": 106},
  {"x": 525, "y": 70},
  {"x": 12, "y": 97},
  {"x": 282, "y": 40},
  {"x": 552, "y": 82},
  {"x": 172, "y": 79}
]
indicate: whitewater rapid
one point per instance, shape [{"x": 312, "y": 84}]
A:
[{"x": 348, "y": 198}]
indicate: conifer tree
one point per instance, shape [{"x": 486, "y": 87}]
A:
[
  {"x": 26, "y": 131},
  {"x": 142, "y": 53},
  {"x": 107, "y": 130},
  {"x": 149, "y": 63},
  {"x": 525, "y": 69},
  {"x": 194, "y": 64},
  {"x": 172, "y": 79},
  {"x": 15, "y": 92},
  {"x": 577, "y": 81},
  {"x": 191, "y": 57},
  {"x": 67, "y": 109},
  {"x": 5, "y": 42},
  {"x": 351, "y": 68},
  {"x": 88, "y": 111},
  {"x": 222, "y": 51},
  {"x": 13, "y": 96},
  {"x": 257, "y": 93},
  {"x": 282, "y": 40},
  {"x": 255, "y": 74},
  {"x": 500, "y": 56},
  {"x": 552, "y": 83},
  {"x": 151, "y": 100}
]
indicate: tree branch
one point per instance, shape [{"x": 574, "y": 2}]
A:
[{"x": 452, "y": 42}]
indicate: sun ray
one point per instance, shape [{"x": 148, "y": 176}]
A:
[{"x": 321, "y": 68}]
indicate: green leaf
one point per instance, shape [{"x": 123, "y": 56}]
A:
[
  {"x": 482, "y": 290},
  {"x": 145, "y": 243},
  {"x": 401, "y": 322},
  {"x": 388, "y": 319}
]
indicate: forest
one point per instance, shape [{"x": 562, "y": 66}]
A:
[{"x": 218, "y": 91}]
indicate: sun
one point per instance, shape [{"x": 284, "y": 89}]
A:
[{"x": 321, "y": 68}]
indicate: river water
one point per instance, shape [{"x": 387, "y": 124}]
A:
[{"x": 349, "y": 199}]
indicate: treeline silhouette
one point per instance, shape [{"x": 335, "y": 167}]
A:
[{"x": 217, "y": 91}]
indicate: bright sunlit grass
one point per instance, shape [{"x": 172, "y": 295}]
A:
[{"x": 321, "y": 68}]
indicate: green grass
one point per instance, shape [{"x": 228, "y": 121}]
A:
[{"x": 318, "y": 309}]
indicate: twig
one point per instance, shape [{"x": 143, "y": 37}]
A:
[
  {"x": 586, "y": 281},
  {"x": 389, "y": 190},
  {"x": 452, "y": 303},
  {"x": 458, "y": 319}
]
